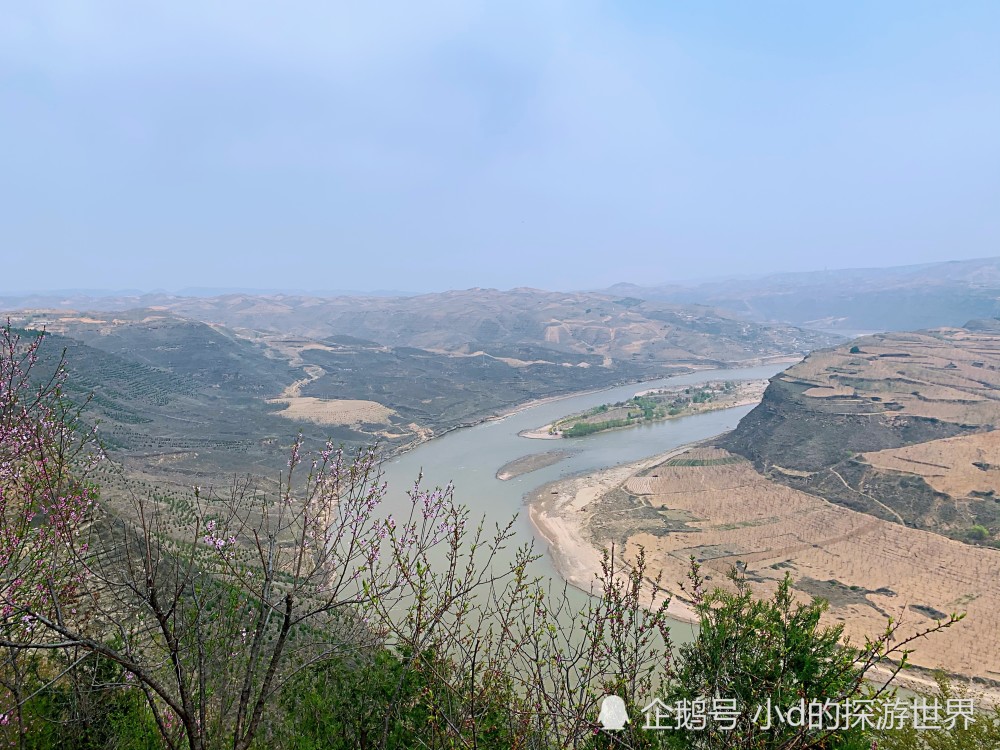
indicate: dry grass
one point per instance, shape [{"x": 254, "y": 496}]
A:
[
  {"x": 334, "y": 411},
  {"x": 839, "y": 391},
  {"x": 883, "y": 568},
  {"x": 701, "y": 453},
  {"x": 956, "y": 466}
]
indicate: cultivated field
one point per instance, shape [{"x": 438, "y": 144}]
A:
[
  {"x": 960, "y": 467},
  {"x": 950, "y": 374},
  {"x": 895, "y": 425},
  {"x": 716, "y": 507}
]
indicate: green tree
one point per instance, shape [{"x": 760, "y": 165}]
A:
[{"x": 772, "y": 655}]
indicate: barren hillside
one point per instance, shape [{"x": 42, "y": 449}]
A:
[{"x": 895, "y": 425}]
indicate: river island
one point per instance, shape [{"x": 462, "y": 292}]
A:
[{"x": 653, "y": 405}]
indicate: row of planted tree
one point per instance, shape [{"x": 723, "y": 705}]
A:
[{"x": 302, "y": 616}]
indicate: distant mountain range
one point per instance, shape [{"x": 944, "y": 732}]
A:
[
  {"x": 848, "y": 300},
  {"x": 859, "y": 299},
  {"x": 521, "y": 324}
]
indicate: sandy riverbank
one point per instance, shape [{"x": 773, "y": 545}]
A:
[
  {"x": 560, "y": 512},
  {"x": 425, "y": 434},
  {"x": 540, "y": 433},
  {"x": 681, "y": 370}
]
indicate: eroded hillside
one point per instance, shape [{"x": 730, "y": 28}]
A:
[
  {"x": 712, "y": 505},
  {"x": 870, "y": 472},
  {"x": 894, "y": 425}
]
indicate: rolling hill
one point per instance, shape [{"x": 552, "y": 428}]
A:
[
  {"x": 521, "y": 324},
  {"x": 181, "y": 398}
]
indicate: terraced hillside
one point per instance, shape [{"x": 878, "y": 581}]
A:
[
  {"x": 176, "y": 425},
  {"x": 713, "y": 505},
  {"x": 894, "y": 425},
  {"x": 178, "y": 400},
  {"x": 183, "y": 401},
  {"x": 522, "y": 325},
  {"x": 869, "y": 471},
  {"x": 349, "y": 389}
]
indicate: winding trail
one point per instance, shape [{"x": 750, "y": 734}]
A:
[{"x": 868, "y": 497}]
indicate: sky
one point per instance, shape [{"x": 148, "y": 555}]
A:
[{"x": 431, "y": 145}]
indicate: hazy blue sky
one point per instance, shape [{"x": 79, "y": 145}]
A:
[{"x": 430, "y": 145}]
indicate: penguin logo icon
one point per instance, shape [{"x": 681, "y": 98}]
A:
[{"x": 613, "y": 716}]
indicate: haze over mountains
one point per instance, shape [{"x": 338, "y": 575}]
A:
[
  {"x": 889, "y": 436},
  {"x": 895, "y": 298},
  {"x": 462, "y": 375},
  {"x": 892, "y": 298},
  {"x": 400, "y": 369}
]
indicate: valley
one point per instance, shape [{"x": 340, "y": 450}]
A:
[
  {"x": 868, "y": 471},
  {"x": 180, "y": 397},
  {"x": 500, "y": 376}
]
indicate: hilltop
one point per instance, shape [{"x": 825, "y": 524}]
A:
[
  {"x": 895, "y": 298},
  {"x": 520, "y": 325},
  {"x": 896, "y": 425}
]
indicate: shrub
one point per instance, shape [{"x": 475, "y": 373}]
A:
[{"x": 978, "y": 533}]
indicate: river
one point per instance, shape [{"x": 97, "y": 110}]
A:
[{"x": 469, "y": 457}]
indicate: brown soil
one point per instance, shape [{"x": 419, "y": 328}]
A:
[
  {"x": 959, "y": 466},
  {"x": 865, "y": 566},
  {"x": 334, "y": 411}
]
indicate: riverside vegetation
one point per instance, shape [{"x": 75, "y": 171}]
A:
[
  {"x": 653, "y": 406},
  {"x": 301, "y": 617}
]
